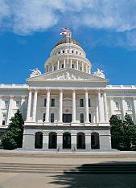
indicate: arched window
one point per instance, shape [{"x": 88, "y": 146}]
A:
[
  {"x": 81, "y": 141},
  {"x": 38, "y": 140},
  {"x": 95, "y": 140},
  {"x": 66, "y": 140},
  {"x": 52, "y": 140}
]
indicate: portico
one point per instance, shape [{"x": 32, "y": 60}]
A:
[{"x": 68, "y": 103}]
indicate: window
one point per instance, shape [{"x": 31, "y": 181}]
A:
[
  {"x": 3, "y": 122},
  {"x": 18, "y": 103},
  {"x": 81, "y": 102},
  {"x": 72, "y": 51},
  {"x": 90, "y": 118},
  {"x": 89, "y": 102},
  {"x": 58, "y": 52},
  {"x": 4, "y": 119},
  {"x": 52, "y": 117},
  {"x": 62, "y": 66},
  {"x": 72, "y": 65},
  {"x": 44, "y": 102},
  {"x": 52, "y": 102},
  {"x": 117, "y": 105},
  {"x": 6, "y": 104},
  {"x": 55, "y": 68},
  {"x": 63, "y": 51},
  {"x": 44, "y": 117},
  {"x": 129, "y": 107},
  {"x": 81, "y": 118}
]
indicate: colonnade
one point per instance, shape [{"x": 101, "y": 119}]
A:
[
  {"x": 101, "y": 106},
  {"x": 57, "y": 66}
]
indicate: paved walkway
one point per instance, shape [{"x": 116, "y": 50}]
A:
[{"x": 36, "y": 169}]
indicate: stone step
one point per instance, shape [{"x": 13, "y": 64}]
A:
[{"x": 55, "y": 168}]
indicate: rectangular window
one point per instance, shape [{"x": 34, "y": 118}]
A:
[
  {"x": 44, "y": 102},
  {"x": 52, "y": 102},
  {"x": 18, "y": 104},
  {"x": 81, "y": 102},
  {"x": 89, "y": 102},
  {"x": 6, "y": 104},
  {"x": 3, "y": 122},
  {"x": 52, "y": 117},
  {"x": 44, "y": 117},
  {"x": 129, "y": 106},
  {"x": 72, "y": 65},
  {"x": 90, "y": 118},
  {"x": 81, "y": 118},
  {"x": 62, "y": 66}
]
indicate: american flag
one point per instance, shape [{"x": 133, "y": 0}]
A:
[{"x": 65, "y": 32}]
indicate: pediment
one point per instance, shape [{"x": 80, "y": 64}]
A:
[{"x": 67, "y": 75}]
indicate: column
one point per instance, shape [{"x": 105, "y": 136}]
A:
[
  {"x": 23, "y": 111},
  {"x": 47, "y": 106},
  {"x": 35, "y": 105},
  {"x": 59, "y": 141},
  {"x": 58, "y": 65},
  {"x": 60, "y": 105},
  {"x": 74, "y": 141},
  {"x": 111, "y": 106},
  {"x": 73, "y": 106},
  {"x": 77, "y": 65},
  {"x": 82, "y": 66},
  {"x": 86, "y": 69},
  {"x": 64, "y": 63},
  {"x": 45, "y": 141},
  {"x": 9, "y": 110},
  {"x": 71, "y": 63},
  {"x": 86, "y": 107},
  {"x": 29, "y": 106},
  {"x": 123, "y": 107},
  {"x": 1, "y": 111},
  {"x": 52, "y": 68},
  {"x": 105, "y": 107},
  {"x": 134, "y": 109},
  {"x": 101, "y": 108}
]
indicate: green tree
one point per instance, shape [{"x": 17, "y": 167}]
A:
[
  {"x": 123, "y": 133},
  {"x": 129, "y": 132},
  {"x": 13, "y": 137},
  {"x": 116, "y": 132}
]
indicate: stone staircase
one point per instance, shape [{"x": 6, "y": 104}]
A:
[
  {"x": 66, "y": 162},
  {"x": 98, "y": 168}
]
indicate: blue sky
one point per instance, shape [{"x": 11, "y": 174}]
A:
[{"x": 105, "y": 29}]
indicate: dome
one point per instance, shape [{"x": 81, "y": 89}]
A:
[
  {"x": 67, "y": 40},
  {"x": 67, "y": 53}
]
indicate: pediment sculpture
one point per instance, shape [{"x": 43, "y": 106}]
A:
[
  {"x": 99, "y": 73},
  {"x": 65, "y": 76},
  {"x": 35, "y": 72}
]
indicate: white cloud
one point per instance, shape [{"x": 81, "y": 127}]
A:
[
  {"x": 4, "y": 10},
  {"x": 26, "y": 16}
]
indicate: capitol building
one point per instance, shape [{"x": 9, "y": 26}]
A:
[{"x": 68, "y": 107}]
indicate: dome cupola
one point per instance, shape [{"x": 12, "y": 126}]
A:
[{"x": 67, "y": 53}]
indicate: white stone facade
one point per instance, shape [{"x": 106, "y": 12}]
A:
[{"x": 68, "y": 107}]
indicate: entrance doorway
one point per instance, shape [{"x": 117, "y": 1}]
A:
[
  {"x": 38, "y": 140},
  {"x": 52, "y": 140},
  {"x": 95, "y": 144},
  {"x": 66, "y": 141},
  {"x": 80, "y": 141},
  {"x": 67, "y": 118}
]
